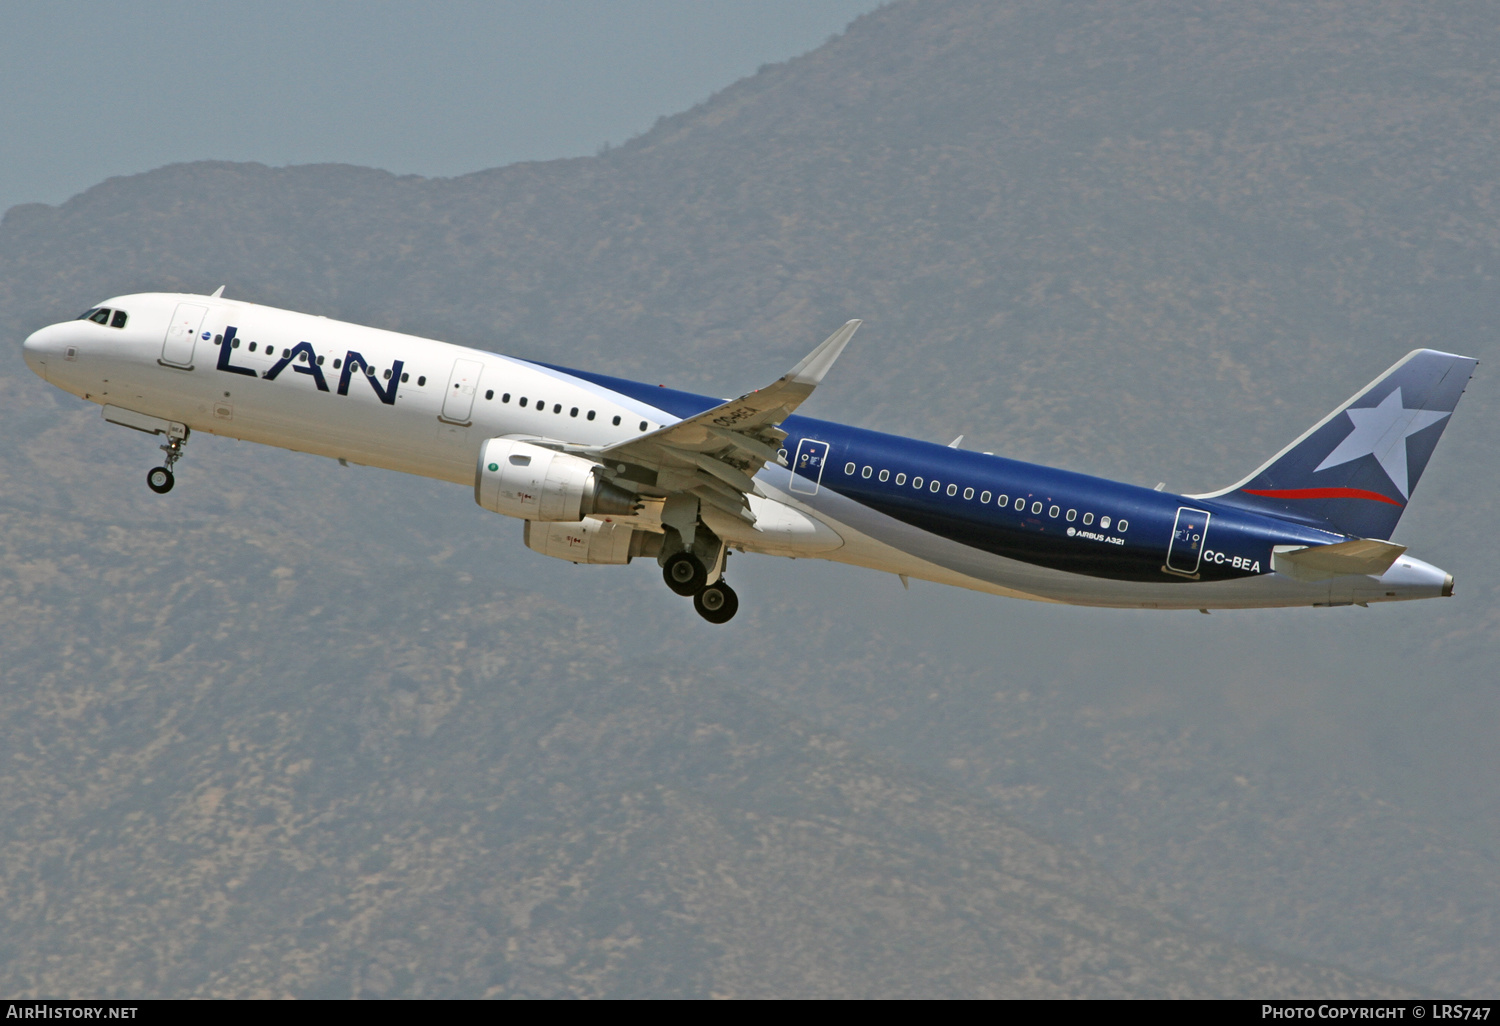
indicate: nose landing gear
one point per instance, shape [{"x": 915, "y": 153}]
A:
[{"x": 161, "y": 479}]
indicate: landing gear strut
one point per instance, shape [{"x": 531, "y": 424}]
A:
[{"x": 161, "y": 479}]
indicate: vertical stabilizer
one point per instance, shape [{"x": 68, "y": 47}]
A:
[{"x": 1357, "y": 467}]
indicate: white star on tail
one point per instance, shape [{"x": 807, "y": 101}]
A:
[{"x": 1381, "y": 431}]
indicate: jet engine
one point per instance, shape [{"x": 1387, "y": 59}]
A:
[
  {"x": 523, "y": 480},
  {"x": 591, "y": 541}
]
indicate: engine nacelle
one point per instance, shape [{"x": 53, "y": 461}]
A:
[
  {"x": 523, "y": 480},
  {"x": 591, "y": 541}
]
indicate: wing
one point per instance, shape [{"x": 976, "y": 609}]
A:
[{"x": 715, "y": 454}]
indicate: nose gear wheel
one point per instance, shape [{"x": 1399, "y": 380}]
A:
[{"x": 161, "y": 479}]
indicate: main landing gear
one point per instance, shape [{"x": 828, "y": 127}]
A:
[
  {"x": 686, "y": 575},
  {"x": 161, "y": 479}
]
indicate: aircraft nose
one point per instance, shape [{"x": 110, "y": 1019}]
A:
[{"x": 39, "y": 348}]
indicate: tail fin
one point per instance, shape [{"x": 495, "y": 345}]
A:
[{"x": 1356, "y": 468}]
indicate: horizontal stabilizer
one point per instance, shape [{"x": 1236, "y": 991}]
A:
[{"x": 1320, "y": 562}]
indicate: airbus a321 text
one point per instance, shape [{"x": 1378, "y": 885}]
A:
[{"x": 604, "y": 470}]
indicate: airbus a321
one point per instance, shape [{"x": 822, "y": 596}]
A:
[{"x": 605, "y": 470}]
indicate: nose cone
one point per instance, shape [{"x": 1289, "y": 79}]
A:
[{"x": 36, "y": 351}]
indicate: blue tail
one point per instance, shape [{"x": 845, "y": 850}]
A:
[{"x": 1357, "y": 467}]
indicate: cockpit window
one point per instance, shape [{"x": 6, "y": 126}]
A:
[
  {"x": 119, "y": 319},
  {"x": 87, "y": 314},
  {"x": 101, "y": 315}
]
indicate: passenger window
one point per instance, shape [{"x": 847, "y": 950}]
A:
[
  {"x": 1088, "y": 518},
  {"x": 1104, "y": 523},
  {"x": 616, "y": 420},
  {"x": 421, "y": 379},
  {"x": 984, "y": 497},
  {"x": 574, "y": 413},
  {"x": 643, "y": 425},
  {"x": 505, "y": 398},
  {"x": 848, "y": 468},
  {"x": 286, "y": 354},
  {"x": 252, "y": 349},
  {"x": 119, "y": 319},
  {"x": 1122, "y": 526},
  {"x": 236, "y": 345},
  {"x": 916, "y": 482},
  {"x": 489, "y": 393},
  {"x": 885, "y": 475},
  {"x": 1072, "y": 514},
  {"x": 867, "y": 472},
  {"x": 1036, "y": 507},
  {"x": 102, "y": 316},
  {"x": 302, "y": 358},
  {"x": 901, "y": 479},
  {"x": 591, "y": 415},
  {"x": 320, "y": 363},
  {"x": 1053, "y": 511},
  {"x": 968, "y": 493},
  {"x": 934, "y": 486},
  {"x": 557, "y": 407},
  {"x": 386, "y": 375},
  {"x": 523, "y": 403},
  {"x": 953, "y": 489},
  {"x": 1003, "y": 501},
  {"x": 218, "y": 340}
]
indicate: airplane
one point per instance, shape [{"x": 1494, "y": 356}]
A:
[{"x": 603, "y": 470}]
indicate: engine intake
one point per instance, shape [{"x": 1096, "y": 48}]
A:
[{"x": 523, "y": 480}]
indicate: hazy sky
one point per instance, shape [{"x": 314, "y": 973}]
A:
[{"x": 90, "y": 90}]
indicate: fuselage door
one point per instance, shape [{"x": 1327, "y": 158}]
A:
[
  {"x": 182, "y": 335},
  {"x": 458, "y": 403},
  {"x": 807, "y": 468},
  {"x": 1185, "y": 551}
]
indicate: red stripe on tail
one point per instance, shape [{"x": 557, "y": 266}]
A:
[{"x": 1321, "y": 493}]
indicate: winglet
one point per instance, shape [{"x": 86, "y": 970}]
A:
[
  {"x": 217, "y": 292},
  {"x": 816, "y": 363}
]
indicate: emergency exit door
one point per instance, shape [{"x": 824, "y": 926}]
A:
[
  {"x": 807, "y": 468},
  {"x": 1185, "y": 551},
  {"x": 182, "y": 335},
  {"x": 458, "y": 403}
]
